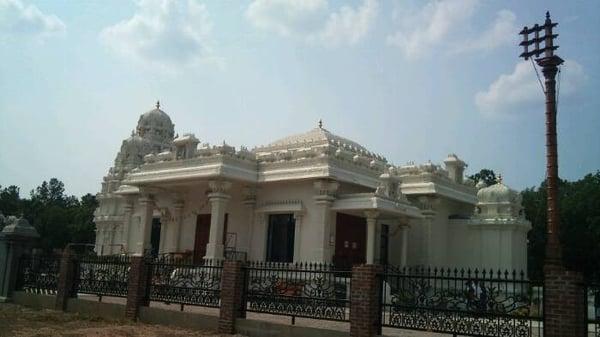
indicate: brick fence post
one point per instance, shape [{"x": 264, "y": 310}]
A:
[
  {"x": 137, "y": 287},
  {"x": 364, "y": 301},
  {"x": 66, "y": 279},
  {"x": 232, "y": 296},
  {"x": 564, "y": 302}
]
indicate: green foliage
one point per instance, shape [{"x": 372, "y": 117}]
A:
[
  {"x": 579, "y": 203},
  {"x": 488, "y": 176},
  {"x": 58, "y": 218}
]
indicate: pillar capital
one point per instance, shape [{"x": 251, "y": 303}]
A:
[
  {"x": 219, "y": 186},
  {"x": 178, "y": 206},
  {"x": 249, "y": 195},
  {"x": 371, "y": 214},
  {"x": 325, "y": 190}
]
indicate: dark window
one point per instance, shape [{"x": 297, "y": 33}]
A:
[
  {"x": 280, "y": 239},
  {"x": 155, "y": 237},
  {"x": 384, "y": 244}
]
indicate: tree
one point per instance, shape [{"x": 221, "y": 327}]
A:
[
  {"x": 58, "y": 218},
  {"x": 579, "y": 221},
  {"x": 10, "y": 202},
  {"x": 488, "y": 176}
]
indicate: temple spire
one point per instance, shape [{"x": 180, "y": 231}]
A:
[
  {"x": 320, "y": 124},
  {"x": 158, "y": 104}
]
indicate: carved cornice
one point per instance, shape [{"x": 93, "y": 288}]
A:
[{"x": 279, "y": 206}]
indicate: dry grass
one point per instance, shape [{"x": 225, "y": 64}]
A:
[{"x": 19, "y": 321}]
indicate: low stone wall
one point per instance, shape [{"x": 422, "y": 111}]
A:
[
  {"x": 253, "y": 328},
  {"x": 33, "y": 300},
  {"x": 97, "y": 309},
  {"x": 181, "y": 319}
]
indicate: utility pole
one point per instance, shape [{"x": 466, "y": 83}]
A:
[
  {"x": 549, "y": 64},
  {"x": 564, "y": 305}
]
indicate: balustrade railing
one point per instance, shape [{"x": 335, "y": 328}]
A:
[
  {"x": 181, "y": 281},
  {"x": 102, "y": 275},
  {"x": 38, "y": 274},
  {"x": 466, "y": 302},
  {"x": 299, "y": 290}
]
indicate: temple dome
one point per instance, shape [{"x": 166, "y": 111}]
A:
[
  {"x": 497, "y": 193},
  {"x": 156, "y": 125},
  {"x": 317, "y": 137}
]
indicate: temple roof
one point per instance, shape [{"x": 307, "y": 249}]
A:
[{"x": 316, "y": 137}]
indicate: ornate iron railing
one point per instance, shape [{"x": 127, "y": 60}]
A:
[
  {"x": 38, "y": 274},
  {"x": 102, "y": 275},
  {"x": 472, "y": 303},
  {"x": 593, "y": 309},
  {"x": 299, "y": 290},
  {"x": 179, "y": 280}
]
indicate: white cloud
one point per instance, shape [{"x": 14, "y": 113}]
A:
[
  {"x": 440, "y": 25},
  {"x": 502, "y": 32},
  {"x": 312, "y": 21},
  {"x": 430, "y": 26},
  {"x": 17, "y": 18},
  {"x": 349, "y": 25},
  {"x": 169, "y": 34},
  {"x": 520, "y": 91}
]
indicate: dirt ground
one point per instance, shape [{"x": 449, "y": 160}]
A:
[{"x": 18, "y": 321}]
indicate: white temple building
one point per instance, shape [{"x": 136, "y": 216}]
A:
[{"x": 310, "y": 197}]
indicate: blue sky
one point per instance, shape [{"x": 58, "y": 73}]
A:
[{"x": 411, "y": 80}]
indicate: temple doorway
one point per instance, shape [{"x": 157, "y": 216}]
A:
[
  {"x": 350, "y": 242},
  {"x": 203, "y": 234}
]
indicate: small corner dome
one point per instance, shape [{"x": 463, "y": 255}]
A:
[{"x": 495, "y": 194}]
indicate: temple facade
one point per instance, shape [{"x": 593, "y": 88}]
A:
[{"x": 310, "y": 197}]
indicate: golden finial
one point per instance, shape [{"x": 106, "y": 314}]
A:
[
  {"x": 499, "y": 178},
  {"x": 158, "y": 104},
  {"x": 320, "y": 123}
]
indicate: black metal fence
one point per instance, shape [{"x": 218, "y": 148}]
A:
[
  {"x": 181, "y": 281},
  {"x": 593, "y": 309},
  {"x": 465, "y": 302},
  {"x": 38, "y": 274},
  {"x": 310, "y": 290},
  {"x": 102, "y": 275}
]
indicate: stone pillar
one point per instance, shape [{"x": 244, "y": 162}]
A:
[
  {"x": 297, "y": 236},
  {"x": 146, "y": 206},
  {"x": 66, "y": 277},
  {"x": 250, "y": 203},
  {"x": 564, "y": 302},
  {"x": 137, "y": 288},
  {"x": 404, "y": 253},
  {"x": 232, "y": 296},
  {"x": 127, "y": 212},
  {"x": 324, "y": 198},
  {"x": 16, "y": 240},
  {"x": 218, "y": 201},
  {"x": 175, "y": 235},
  {"x": 364, "y": 301},
  {"x": 371, "y": 234}
]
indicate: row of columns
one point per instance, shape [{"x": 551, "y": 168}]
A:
[{"x": 219, "y": 198}]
